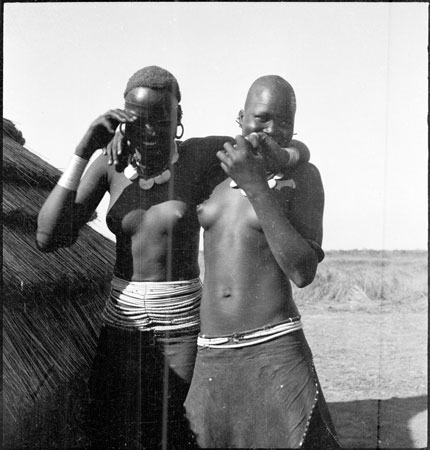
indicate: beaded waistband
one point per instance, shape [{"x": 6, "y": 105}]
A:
[
  {"x": 156, "y": 306},
  {"x": 251, "y": 337}
]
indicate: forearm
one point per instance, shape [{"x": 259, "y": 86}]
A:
[
  {"x": 55, "y": 223},
  {"x": 292, "y": 252},
  {"x": 57, "y": 220},
  {"x": 281, "y": 157}
]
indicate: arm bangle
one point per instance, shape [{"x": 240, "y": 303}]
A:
[
  {"x": 72, "y": 175},
  {"x": 294, "y": 156}
]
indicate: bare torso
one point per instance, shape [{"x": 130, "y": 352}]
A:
[
  {"x": 157, "y": 237},
  {"x": 244, "y": 287}
]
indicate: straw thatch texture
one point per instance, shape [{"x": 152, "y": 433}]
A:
[{"x": 51, "y": 306}]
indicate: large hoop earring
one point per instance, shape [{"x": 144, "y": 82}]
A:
[{"x": 180, "y": 125}]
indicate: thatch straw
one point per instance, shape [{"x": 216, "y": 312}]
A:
[
  {"x": 51, "y": 309},
  {"x": 11, "y": 131}
]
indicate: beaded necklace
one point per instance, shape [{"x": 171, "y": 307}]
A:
[
  {"x": 272, "y": 181},
  {"x": 136, "y": 170}
]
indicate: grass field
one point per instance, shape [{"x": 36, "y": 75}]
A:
[
  {"x": 365, "y": 317},
  {"x": 368, "y": 281}
]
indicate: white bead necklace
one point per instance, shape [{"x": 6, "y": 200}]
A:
[
  {"x": 272, "y": 181},
  {"x": 134, "y": 171}
]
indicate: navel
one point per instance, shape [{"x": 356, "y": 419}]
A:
[{"x": 226, "y": 293}]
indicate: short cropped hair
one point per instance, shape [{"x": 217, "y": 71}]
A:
[
  {"x": 285, "y": 86},
  {"x": 155, "y": 77}
]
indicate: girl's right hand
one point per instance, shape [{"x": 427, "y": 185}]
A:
[{"x": 101, "y": 131}]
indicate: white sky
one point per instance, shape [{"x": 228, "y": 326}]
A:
[{"x": 359, "y": 71}]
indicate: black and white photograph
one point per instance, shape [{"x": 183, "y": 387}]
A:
[{"x": 215, "y": 225}]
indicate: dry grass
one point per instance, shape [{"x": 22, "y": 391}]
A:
[{"x": 368, "y": 281}]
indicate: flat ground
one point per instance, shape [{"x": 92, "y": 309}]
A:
[
  {"x": 373, "y": 371},
  {"x": 368, "y": 333}
]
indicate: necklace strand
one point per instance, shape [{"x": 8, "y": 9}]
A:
[
  {"x": 134, "y": 171},
  {"x": 272, "y": 181}
]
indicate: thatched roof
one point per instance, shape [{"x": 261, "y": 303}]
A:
[{"x": 51, "y": 302}]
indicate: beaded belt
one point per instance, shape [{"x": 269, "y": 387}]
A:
[
  {"x": 251, "y": 337},
  {"x": 157, "y": 306}
]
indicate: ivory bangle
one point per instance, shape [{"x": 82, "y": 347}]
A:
[
  {"x": 72, "y": 175},
  {"x": 294, "y": 156}
]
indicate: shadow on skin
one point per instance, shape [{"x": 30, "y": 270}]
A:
[{"x": 379, "y": 423}]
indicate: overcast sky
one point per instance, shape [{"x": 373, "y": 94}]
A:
[{"x": 359, "y": 71}]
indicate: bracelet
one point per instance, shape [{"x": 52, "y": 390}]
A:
[
  {"x": 72, "y": 175},
  {"x": 294, "y": 156}
]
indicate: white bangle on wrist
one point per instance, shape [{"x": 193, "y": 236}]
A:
[
  {"x": 294, "y": 156},
  {"x": 72, "y": 175}
]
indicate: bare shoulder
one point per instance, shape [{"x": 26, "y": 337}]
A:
[
  {"x": 306, "y": 176},
  {"x": 198, "y": 165},
  {"x": 306, "y": 203},
  {"x": 305, "y": 171},
  {"x": 302, "y": 188},
  {"x": 205, "y": 143},
  {"x": 202, "y": 148}
]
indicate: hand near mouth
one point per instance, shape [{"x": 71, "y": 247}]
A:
[{"x": 102, "y": 130}]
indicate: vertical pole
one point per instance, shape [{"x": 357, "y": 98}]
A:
[{"x": 169, "y": 275}]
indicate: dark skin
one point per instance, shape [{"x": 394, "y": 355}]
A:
[
  {"x": 255, "y": 245},
  {"x": 142, "y": 220}
]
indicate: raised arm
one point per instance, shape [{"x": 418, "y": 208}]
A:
[
  {"x": 291, "y": 236},
  {"x": 71, "y": 203},
  {"x": 282, "y": 157}
]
